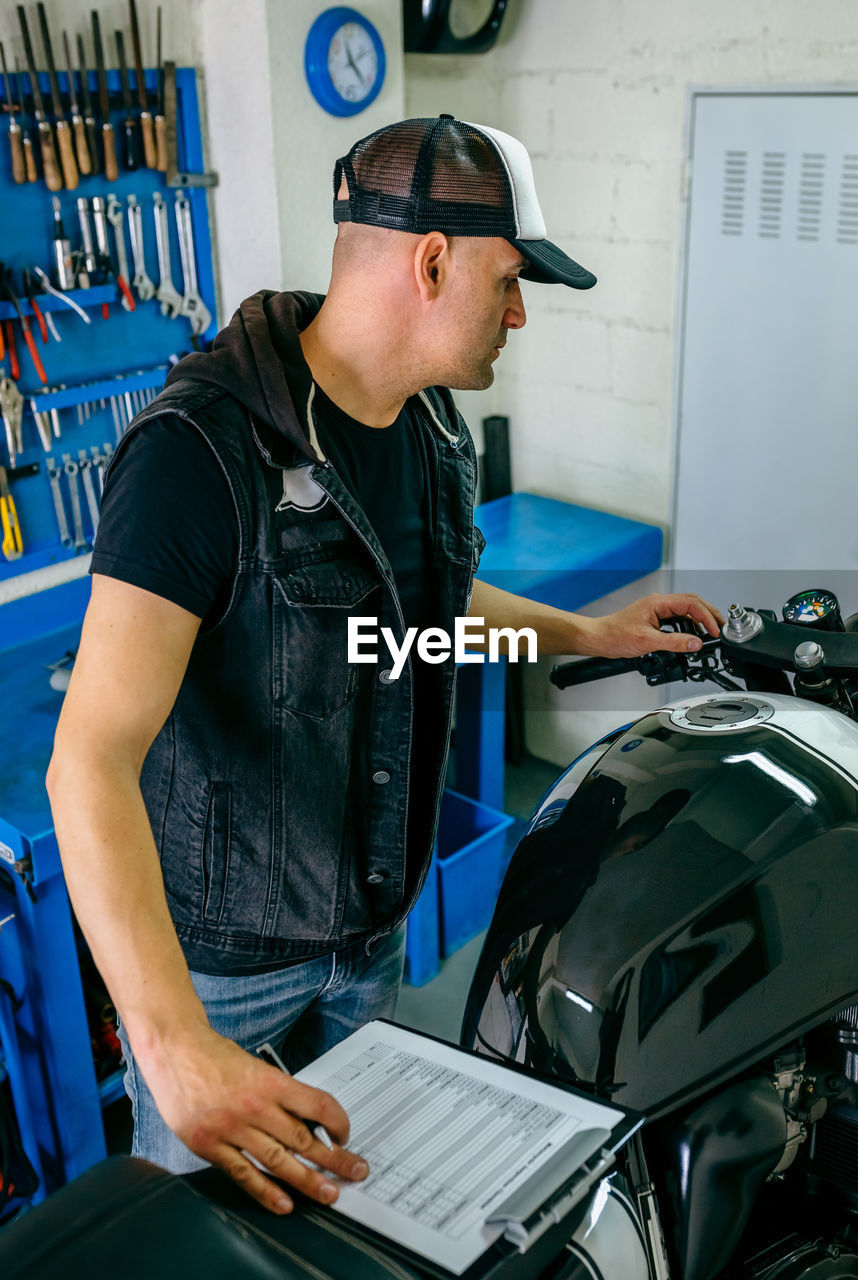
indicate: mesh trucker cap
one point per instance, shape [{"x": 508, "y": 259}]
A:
[{"x": 442, "y": 174}]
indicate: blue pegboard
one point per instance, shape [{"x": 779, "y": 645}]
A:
[{"x": 126, "y": 352}]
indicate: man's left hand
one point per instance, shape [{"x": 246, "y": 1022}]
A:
[{"x": 635, "y": 630}]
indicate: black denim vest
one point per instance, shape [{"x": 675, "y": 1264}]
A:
[{"x": 278, "y": 789}]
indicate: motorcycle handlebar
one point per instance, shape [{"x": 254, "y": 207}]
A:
[{"x": 587, "y": 669}]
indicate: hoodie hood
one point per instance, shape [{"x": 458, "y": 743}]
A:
[{"x": 258, "y": 360}]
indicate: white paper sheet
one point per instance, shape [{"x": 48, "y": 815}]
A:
[{"x": 448, "y": 1136}]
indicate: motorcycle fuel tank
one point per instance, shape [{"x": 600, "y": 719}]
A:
[{"x": 683, "y": 902}]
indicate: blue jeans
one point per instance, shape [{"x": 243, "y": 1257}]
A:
[{"x": 302, "y": 1011}]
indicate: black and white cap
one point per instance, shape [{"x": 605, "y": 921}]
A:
[{"x": 442, "y": 174}]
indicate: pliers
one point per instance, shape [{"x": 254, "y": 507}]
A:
[
  {"x": 12, "y": 409},
  {"x": 6, "y": 278},
  {"x": 44, "y": 319}
]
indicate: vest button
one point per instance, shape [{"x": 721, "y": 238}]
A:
[
  {"x": 375, "y": 878},
  {"x": 381, "y": 776},
  {"x": 385, "y": 676}
]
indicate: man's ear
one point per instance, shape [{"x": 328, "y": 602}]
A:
[{"x": 431, "y": 264}]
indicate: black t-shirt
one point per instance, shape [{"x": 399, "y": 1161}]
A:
[{"x": 168, "y": 524}]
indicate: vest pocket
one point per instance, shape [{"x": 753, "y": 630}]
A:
[
  {"x": 215, "y": 851},
  {"x": 313, "y": 604}
]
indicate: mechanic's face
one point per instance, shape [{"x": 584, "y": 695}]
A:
[{"x": 484, "y": 303}]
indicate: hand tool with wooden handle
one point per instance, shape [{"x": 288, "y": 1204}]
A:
[
  {"x": 19, "y": 172},
  {"x": 11, "y": 544},
  {"x": 86, "y": 103},
  {"x": 146, "y": 127},
  {"x": 26, "y": 140},
  {"x": 50, "y": 164},
  {"x": 65, "y": 141},
  {"x": 81, "y": 149},
  {"x": 129, "y": 124},
  {"x": 108, "y": 138},
  {"x": 160, "y": 123}
]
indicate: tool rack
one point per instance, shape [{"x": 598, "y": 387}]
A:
[
  {"x": 127, "y": 352},
  {"x": 45, "y": 1051}
]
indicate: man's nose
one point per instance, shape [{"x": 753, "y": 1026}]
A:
[{"x": 515, "y": 316}]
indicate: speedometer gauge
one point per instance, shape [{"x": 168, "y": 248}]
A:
[{"x": 818, "y": 609}]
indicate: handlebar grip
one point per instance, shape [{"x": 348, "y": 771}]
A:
[{"x": 569, "y": 673}]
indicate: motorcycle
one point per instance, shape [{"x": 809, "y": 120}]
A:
[{"x": 673, "y": 935}]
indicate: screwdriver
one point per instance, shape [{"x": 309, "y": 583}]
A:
[
  {"x": 12, "y": 545},
  {"x": 19, "y": 173},
  {"x": 26, "y": 140}
]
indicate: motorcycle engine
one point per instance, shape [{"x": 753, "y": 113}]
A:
[{"x": 815, "y": 1184}]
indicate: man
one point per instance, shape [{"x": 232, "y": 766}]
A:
[{"x": 246, "y": 818}]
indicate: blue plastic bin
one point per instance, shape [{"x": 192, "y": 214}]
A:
[
  {"x": 422, "y": 941},
  {"x": 470, "y": 853}
]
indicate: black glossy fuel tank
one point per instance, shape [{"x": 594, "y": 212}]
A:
[{"x": 681, "y": 904}]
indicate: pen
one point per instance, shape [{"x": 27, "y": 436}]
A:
[{"x": 268, "y": 1054}]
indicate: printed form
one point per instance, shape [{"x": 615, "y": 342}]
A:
[{"x": 448, "y": 1137}]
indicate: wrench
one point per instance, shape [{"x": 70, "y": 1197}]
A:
[
  {"x": 192, "y": 304},
  {"x": 43, "y": 426},
  {"x": 71, "y": 469},
  {"x": 170, "y": 300},
  {"x": 105, "y": 257},
  {"x": 88, "y": 487},
  {"x": 114, "y": 217},
  {"x": 100, "y": 462},
  {"x": 59, "y": 505},
  {"x": 141, "y": 282}
]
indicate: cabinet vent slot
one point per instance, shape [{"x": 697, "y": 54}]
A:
[
  {"x": 733, "y": 200},
  {"x": 810, "y": 193},
  {"x": 772, "y": 194},
  {"x": 847, "y": 212}
]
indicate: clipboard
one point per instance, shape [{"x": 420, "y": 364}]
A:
[{"x": 537, "y": 1218}]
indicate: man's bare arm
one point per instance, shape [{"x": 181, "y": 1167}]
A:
[
  {"x": 626, "y": 634},
  {"x": 220, "y": 1101}
]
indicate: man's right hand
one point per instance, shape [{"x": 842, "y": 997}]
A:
[{"x": 226, "y": 1104}]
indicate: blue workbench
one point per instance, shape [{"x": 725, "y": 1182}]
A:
[
  {"x": 556, "y": 553},
  {"x": 43, "y": 1026}
]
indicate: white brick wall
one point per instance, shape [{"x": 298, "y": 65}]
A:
[{"x": 597, "y": 90}]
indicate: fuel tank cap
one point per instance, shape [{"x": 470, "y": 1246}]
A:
[{"x": 721, "y": 713}]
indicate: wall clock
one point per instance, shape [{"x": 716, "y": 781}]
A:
[{"x": 344, "y": 61}]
